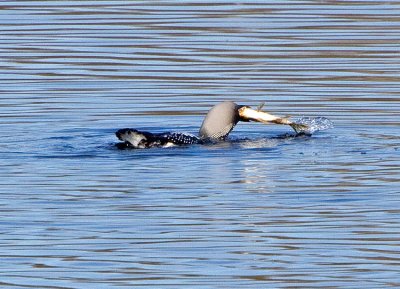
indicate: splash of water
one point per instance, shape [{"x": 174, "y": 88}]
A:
[{"x": 310, "y": 125}]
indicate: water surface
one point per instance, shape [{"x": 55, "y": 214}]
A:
[{"x": 260, "y": 211}]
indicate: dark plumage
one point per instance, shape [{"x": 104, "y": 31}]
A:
[
  {"x": 132, "y": 138},
  {"x": 217, "y": 124}
]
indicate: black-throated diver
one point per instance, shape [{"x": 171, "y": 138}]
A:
[{"x": 216, "y": 126}]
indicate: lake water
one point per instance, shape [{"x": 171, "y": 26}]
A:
[{"x": 260, "y": 211}]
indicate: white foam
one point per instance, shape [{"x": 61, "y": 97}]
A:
[{"x": 313, "y": 124}]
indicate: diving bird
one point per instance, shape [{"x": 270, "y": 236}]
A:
[{"x": 218, "y": 123}]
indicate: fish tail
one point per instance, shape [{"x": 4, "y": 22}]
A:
[{"x": 299, "y": 127}]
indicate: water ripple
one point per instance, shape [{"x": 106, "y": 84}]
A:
[{"x": 265, "y": 209}]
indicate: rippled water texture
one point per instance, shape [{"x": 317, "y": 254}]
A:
[{"x": 265, "y": 210}]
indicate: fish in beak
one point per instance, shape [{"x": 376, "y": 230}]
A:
[{"x": 248, "y": 114}]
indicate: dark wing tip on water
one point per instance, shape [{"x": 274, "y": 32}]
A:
[{"x": 311, "y": 125}]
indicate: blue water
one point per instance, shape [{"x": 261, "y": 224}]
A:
[{"x": 258, "y": 211}]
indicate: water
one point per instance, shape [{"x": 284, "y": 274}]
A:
[
  {"x": 311, "y": 125},
  {"x": 263, "y": 212}
]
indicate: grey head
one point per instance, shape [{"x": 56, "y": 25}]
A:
[{"x": 219, "y": 121}]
